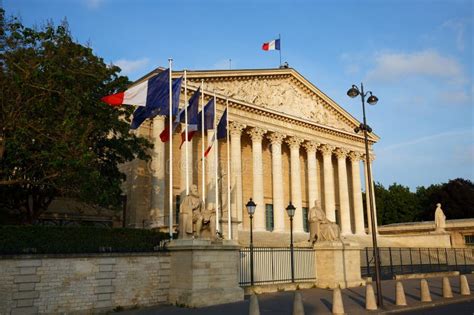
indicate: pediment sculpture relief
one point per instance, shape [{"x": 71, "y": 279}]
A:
[{"x": 281, "y": 95}]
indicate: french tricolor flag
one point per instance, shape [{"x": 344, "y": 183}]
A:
[{"x": 273, "y": 45}]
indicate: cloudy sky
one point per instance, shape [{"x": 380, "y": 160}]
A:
[{"x": 415, "y": 55}]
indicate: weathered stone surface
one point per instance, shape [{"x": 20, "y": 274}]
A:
[
  {"x": 29, "y": 263},
  {"x": 26, "y": 278},
  {"x": 25, "y": 310},
  {"x": 25, "y": 295}
]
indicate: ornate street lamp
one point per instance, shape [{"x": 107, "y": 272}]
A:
[
  {"x": 251, "y": 210},
  {"x": 291, "y": 212},
  {"x": 372, "y": 100}
]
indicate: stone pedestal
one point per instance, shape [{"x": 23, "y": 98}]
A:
[
  {"x": 204, "y": 273},
  {"x": 337, "y": 265}
]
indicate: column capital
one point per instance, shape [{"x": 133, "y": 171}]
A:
[
  {"x": 294, "y": 142},
  {"x": 341, "y": 153},
  {"x": 276, "y": 137},
  {"x": 355, "y": 156},
  {"x": 372, "y": 157},
  {"x": 310, "y": 146},
  {"x": 235, "y": 128},
  {"x": 326, "y": 149},
  {"x": 256, "y": 133}
]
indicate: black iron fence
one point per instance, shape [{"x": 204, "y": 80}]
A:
[
  {"x": 398, "y": 261},
  {"x": 273, "y": 265}
]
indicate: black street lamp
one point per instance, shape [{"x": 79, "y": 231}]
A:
[
  {"x": 251, "y": 210},
  {"x": 372, "y": 100},
  {"x": 291, "y": 212}
]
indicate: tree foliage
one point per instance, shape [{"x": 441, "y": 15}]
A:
[
  {"x": 398, "y": 204},
  {"x": 56, "y": 137}
]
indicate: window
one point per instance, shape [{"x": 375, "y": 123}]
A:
[
  {"x": 269, "y": 217},
  {"x": 305, "y": 219},
  {"x": 469, "y": 240}
]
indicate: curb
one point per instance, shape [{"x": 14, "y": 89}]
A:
[{"x": 427, "y": 305}]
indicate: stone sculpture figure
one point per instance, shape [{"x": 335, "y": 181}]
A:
[
  {"x": 320, "y": 228},
  {"x": 208, "y": 222},
  {"x": 190, "y": 216},
  {"x": 440, "y": 219}
]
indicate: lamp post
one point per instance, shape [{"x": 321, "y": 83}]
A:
[
  {"x": 251, "y": 210},
  {"x": 372, "y": 100},
  {"x": 291, "y": 212}
]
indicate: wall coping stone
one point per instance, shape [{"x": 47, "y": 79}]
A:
[{"x": 83, "y": 255}]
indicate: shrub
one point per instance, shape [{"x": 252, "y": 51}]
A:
[{"x": 64, "y": 240}]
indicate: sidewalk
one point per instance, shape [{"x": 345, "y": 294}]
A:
[{"x": 319, "y": 301}]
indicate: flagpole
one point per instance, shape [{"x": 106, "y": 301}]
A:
[
  {"x": 203, "y": 163},
  {"x": 229, "y": 216},
  {"x": 170, "y": 61},
  {"x": 216, "y": 164},
  {"x": 279, "y": 39},
  {"x": 186, "y": 130}
]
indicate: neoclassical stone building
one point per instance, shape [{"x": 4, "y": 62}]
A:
[{"x": 288, "y": 142}]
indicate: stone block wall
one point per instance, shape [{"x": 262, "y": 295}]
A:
[{"x": 65, "y": 284}]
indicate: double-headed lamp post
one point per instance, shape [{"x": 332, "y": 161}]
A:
[
  {"x": 291, "y": 212},
  {"x": 372, "y": 100},
  {"x": 251, "y": 210}
]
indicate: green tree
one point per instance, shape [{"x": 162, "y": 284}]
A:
[
  {"x": 56, "y": 137},
  {"x": 455, "y": 196}
]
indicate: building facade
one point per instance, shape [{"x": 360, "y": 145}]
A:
[{"x": 288, "y": 142}]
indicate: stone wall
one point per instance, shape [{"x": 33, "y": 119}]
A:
[{"x": 63, "y": 284}]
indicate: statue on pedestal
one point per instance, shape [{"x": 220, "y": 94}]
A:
[
  {"x": 440, "y": 219},
  {"x": 320, "y": 228},
  {"x": 193, "y": 219}
]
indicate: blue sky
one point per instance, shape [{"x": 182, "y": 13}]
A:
[{"x": 416, "y": 56}]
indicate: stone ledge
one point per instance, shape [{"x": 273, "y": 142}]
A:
[
  {"x": 427, "y": 275},
  {"x": 26, "y": 279},
  {"x": 25, "y": 295},
  {"x": 269, "y": 288}
]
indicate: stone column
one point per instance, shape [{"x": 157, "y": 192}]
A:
[
  {"x": 256, "y": 134},
  {"x": 295, "y": 172},
  {"x": 211, "y": 172},
  {"x": 343, "y": 191},
  {"x": 235, "y": 130},
  {"x": 329, "y": 198},
  {"x": 312, "y": 177},
  {"x": 158, "y": 174},
  {"x": 182, "y": 165},
  {"x": 367, "y": 201},
  {"x": 277, "y": 180},
  {"x": 357, "y": 193}
]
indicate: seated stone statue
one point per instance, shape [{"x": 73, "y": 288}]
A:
[
  {"x": 190, "y": 216},
  {"x": 208, "y": 222},
  {"x": 320, "y": 228}
]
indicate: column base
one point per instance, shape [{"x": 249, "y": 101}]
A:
[{"x": 337, "y": 265}]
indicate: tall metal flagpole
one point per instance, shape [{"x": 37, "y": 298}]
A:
[
  {"x": 203, "y": 163},
  {"x": 186, "y": 130},
  {"x": 229, "y": 216},
  {"x": 216, "y": 163},
  {"x": 170, "y": 61},
  {"x": 279, "y": 39}
]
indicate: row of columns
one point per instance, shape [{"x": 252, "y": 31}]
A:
[{"x": 276, "y": 139}]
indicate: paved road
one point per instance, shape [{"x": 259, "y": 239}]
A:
[{"x": 319, "y": 301}]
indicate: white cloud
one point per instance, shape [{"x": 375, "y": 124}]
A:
[
  {"x": 455, "y": 97},
  {"x": 93, "y": 4},
  {"x": 395, "y": 66},
  {"x": 130, "y": 66},
  {"x": 458, "y": 28},
  {"x": 429, "y": 138}
]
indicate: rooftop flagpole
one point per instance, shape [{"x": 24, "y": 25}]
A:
[
  {"x": 186, "y": 131},
  {"x": 170, "y": 123},
  {"x": 203, "y": 163},
  {"x": 279, "y": 40},
  {"x": 229, "y": 216}
]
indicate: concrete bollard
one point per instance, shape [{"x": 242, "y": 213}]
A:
[
  {"x": 370, "y": 303},
  {"x": 400, "y": 299},
  {"x": 298, "y": 308},
  {"x": 254, "y": 309},
  {"x": 425, "y": 291},
  {"x": 337, "y": 305},
  {"x": 465, "y": 290},
  {"x": 447, "y": 292}
]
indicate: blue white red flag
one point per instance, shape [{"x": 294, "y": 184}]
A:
[
  {"x": 220, "y": 133},
  {"x": 193, "y": 117},
  {"x": 208, "y": 116},
  {"x": 273, "y": 45}
]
